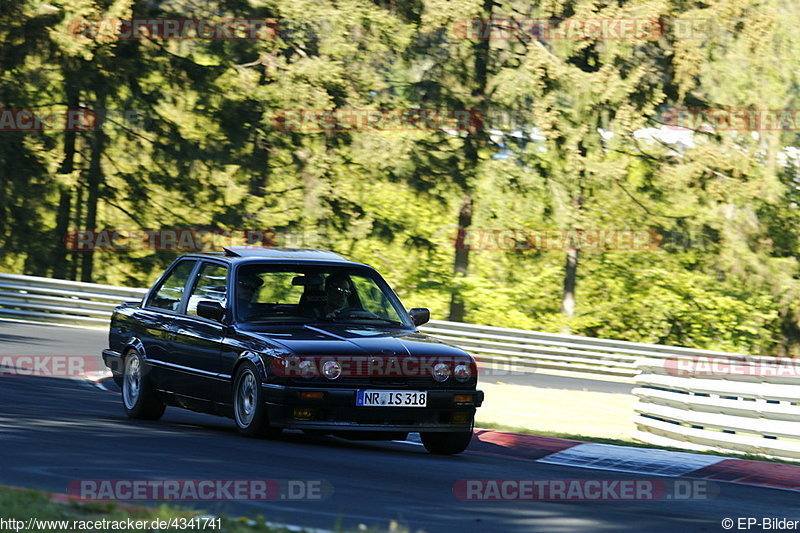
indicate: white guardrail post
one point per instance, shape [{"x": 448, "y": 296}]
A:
[{"x": 688, "y": 398}]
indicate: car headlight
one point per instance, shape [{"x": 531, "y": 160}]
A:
[
  {"x": 440, "y": 372},
  {"x": 331, "y": 369},
  {"x": 307, "y": 369},
  {"x": 462, "y": 372}
]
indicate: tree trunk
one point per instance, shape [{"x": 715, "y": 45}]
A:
[
  {"x": 570, "y": 275},
  {"x": 461, "y": 263},
  {"x": 94, "y": 182},
  {"x": 60, "y": 263},
  {"x": 3, "y": 206},
  {"x": 568, "y": 298},
  {"x": 73, "y": 265},
  {"x": 476, "y": 138}
]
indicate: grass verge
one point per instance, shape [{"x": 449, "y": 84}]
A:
[
  {"x": 24, "y": 504},
  {"x": 578, "y": 412}
]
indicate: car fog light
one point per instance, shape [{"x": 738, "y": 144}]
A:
[
  {"x": 440, "y": 372},
  {"x": 462, "y": 372},
  {"x": 460, "y": 418},
  {"x": 331, "y": 369},
  {"x": 302, "y": 414}
]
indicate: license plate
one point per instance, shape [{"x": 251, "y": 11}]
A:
[{"x": 391, "y": 398}]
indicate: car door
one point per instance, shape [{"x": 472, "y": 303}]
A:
[
  {"x": 155, "y": 321},
  {"x": 197, "y": 341}
]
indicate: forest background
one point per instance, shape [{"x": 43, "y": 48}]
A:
[{"x": 489, "y": 124}]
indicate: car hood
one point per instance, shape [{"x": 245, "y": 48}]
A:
[{"x": 354, "y": 340}]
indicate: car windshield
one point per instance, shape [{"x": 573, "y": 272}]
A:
[{"x": 268, "y": 293}]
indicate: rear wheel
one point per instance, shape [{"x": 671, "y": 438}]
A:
[
  {"x": 138, "y": 395},
  {"x": 446, "y": 443},
  {"x": 249, "y": 411}
]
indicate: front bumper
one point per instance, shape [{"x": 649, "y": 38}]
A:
[
  {"x": 113, "y": 361},
  {"x": 337, "y": 411}
]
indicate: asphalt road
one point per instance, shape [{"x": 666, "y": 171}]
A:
[{"x": 56, "y": 430}]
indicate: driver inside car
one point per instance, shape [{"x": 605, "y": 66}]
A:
[
  {"x": 338, "y": 289},
  {"x": 249, "y": 285}
]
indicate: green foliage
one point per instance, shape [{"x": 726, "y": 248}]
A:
[{"x": 560, "y": 145}]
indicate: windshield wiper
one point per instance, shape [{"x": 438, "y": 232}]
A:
[
  {"x": 387, "y": 320},
  {"x": 282, "y": 321}
]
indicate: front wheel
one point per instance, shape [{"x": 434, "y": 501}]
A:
[
  {"x": 138, "y": 395},
  {"x": 446, "y": 443},
  {"x": 248, "y": 406}
]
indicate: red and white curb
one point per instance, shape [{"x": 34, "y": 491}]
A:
[
  {"x": 630, "y": 459},
  {"x": 97, "y": 379},
  {"x": 565, "y": 452}
]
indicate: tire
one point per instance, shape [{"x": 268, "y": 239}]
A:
[
  {"x": 139, "y": 397},
  {"x": 446, "y": 443},
  {"x": 249, "y": 411}
]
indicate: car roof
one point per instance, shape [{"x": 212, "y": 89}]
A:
[
  {"x": 236, "y": 254},
  {"x": 282, "y": 253}
]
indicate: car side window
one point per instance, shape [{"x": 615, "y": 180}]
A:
[
  {"x": 211, "y": 284},
  {"x": 170, "y": 292}
]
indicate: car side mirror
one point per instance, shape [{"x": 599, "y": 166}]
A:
[
  {"x": 420, "y": 315},
  {"x": 210, "y": 310}
]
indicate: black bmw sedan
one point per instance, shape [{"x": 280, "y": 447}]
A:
[{"x": 290, "y": 338}]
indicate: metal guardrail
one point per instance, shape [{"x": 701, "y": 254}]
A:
[
  {"x": 744, "y": 404},
  {"x": 686, "y": 398},
  {"x": 519, "y": 348},
  {"x": 723, "y": 410},
  {"x": 61, "y": 301}
]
